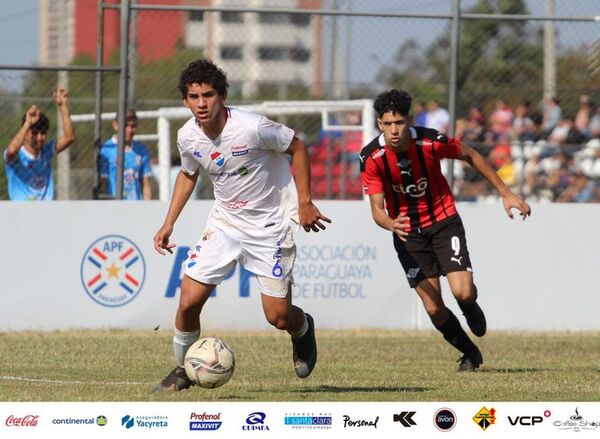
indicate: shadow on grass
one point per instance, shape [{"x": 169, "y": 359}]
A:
[
  {"x": 512, "y": 370},
  {"x": 335, "y": 389}
]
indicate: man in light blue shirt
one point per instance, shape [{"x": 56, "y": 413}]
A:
[
  {"x": 136, "y": 164},
  {"x": 28, "y": 158}
]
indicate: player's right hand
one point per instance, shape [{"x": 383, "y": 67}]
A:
[
  {"x": 33, "y": 115},
  {"x": 161, "y": 239},
  {"x": 399, "y": 226}
]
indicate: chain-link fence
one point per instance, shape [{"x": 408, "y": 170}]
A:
[{"x": 508, "y": 70}]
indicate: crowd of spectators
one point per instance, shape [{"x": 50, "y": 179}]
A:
[{"x": 539, "y": 151}]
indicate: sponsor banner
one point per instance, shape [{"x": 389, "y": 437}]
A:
[
  {"x": 91, "y": 264},
  {"x": 297, "y": 419}
]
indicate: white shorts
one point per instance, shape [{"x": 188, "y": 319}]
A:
[{"x": 217, "y": 253}]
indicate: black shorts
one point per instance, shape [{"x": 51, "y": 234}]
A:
[{"x": 434, "y": 251}]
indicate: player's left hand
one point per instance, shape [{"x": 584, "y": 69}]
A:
[
  {"x": 512, "y": 201},
  {"x": 60, "y": 96},
  {"x": 311, "y": 218}
]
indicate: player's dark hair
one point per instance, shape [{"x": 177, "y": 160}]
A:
[
  {"x": 203, "y": 71},
  {"x": 395, "y": 101},
  {"x": 41, "y": 126}
]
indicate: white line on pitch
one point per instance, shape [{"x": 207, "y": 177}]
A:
[{"x": 46, "y": 380}]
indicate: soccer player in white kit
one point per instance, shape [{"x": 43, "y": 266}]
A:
[{"x": 257, "y": 205}]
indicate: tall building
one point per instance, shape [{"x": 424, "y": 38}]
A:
[{"x": 256, "y": 50}]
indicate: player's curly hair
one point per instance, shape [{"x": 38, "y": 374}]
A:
[
  {"x": 41, "y": 126},
  {"x": 395, "y": 101},
  {"x": 203, "y": 71}
]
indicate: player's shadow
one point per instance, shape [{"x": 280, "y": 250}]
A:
[
  {"x": 512, "y": 370},
  {"x": 354, "y": 389}
]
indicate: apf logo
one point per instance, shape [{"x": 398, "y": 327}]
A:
[{"x": 113, "y": 271}]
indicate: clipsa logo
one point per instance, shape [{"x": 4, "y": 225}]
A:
[
  {"x": 484, "y": 418},
  {"x": 113, "y": 271}
]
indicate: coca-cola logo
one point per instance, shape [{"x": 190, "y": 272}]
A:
[{"x": 25, "y": 421}]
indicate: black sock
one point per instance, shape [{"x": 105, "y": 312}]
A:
[
  {"x": 455, "y": 335},
  {"x": 466, "y": 308}
]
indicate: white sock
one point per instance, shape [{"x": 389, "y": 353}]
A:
[
  {"x": 303, "y": 329},
  {"x": 182, "y": 342}
]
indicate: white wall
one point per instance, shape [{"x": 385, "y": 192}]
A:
[{"x": 538, "y": 274}]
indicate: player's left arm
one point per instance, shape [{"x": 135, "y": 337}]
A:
[
  {"x": 147, "y": 172},
  {"x": 309, "y": 215},
  {"x": 147, "y": 188},
  {"x": 509, "y": 199},
  {"x": 61, "y": 99}
]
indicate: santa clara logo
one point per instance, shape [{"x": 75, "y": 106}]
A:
[{"x": 113, "y": 271}]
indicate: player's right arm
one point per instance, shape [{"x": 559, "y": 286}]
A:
[
  {"x": 31, "y": 117},
  {"x": 382, "y": 219},
  {"x": 184, "y": 186}
]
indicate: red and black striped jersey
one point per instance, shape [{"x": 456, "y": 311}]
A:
[{"x": 412, "y": 182}]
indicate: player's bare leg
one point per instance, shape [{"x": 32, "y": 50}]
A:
[
  {"x": 465, "y": 292},
  {"x": 429, "y": 290},
  {"x": 194, "y": 295},
  {"x": 283, "y": 315}
]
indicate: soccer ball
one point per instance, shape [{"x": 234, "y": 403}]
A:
[{"x": 209, "y": 362}]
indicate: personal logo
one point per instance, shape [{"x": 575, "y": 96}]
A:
[
  {"x": 359, "y": 423},
  {"x": 205, "y": 421},
  {"x": 577, "y": 422},
  {"x": 101, "y": 420},
  {"x": 444, "y": 419},
  {"x": 405, "y": 418},
  {"x": 485, "y": 418},
  {"x": 113, "y": 271},
  {"x": 255, "y": 421},
  {"x": 218, "y": 158},
  {"x": 321, "y": 421}
]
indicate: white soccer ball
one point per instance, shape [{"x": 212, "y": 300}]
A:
[{"x": 209, "y": 362}]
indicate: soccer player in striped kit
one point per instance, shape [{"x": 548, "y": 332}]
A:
[{"x": 409, "y": 196}]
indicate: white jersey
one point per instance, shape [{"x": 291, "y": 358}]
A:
[{"x": 255, "y": 194}]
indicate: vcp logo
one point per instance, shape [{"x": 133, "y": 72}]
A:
[{"x": 113, "y": 271}]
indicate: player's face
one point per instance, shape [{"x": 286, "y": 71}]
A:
[
  {"x": 36, "y": 139},
  {"x": 204, "y": 101},
  {"x": 394, "y": 127}
]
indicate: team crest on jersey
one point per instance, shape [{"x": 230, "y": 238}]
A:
[
  {"x": 113, "y": 271},
  {"x": 218, "y": 158},
  {"x": 404, "y": 163}
]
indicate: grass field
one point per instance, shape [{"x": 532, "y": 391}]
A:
[{"x": 354, "y": 365}]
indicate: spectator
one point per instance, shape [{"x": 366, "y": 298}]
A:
[
  {"x": 136, "y": 163},
  {"x": 501, "y": 119},
  {"x": 535, "y": 132},
  {"x": 28, "y": 158},
  {"x": 583, "y": 117},
  {"x": 437, "y": 117},
  {"x": 475, "y": 131},
  {"x": 595, "y": 125},
  {"x": 420, "y": 113},
  {"x": 522, "y": 123},
  {"x": 552, "y": 114}
]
